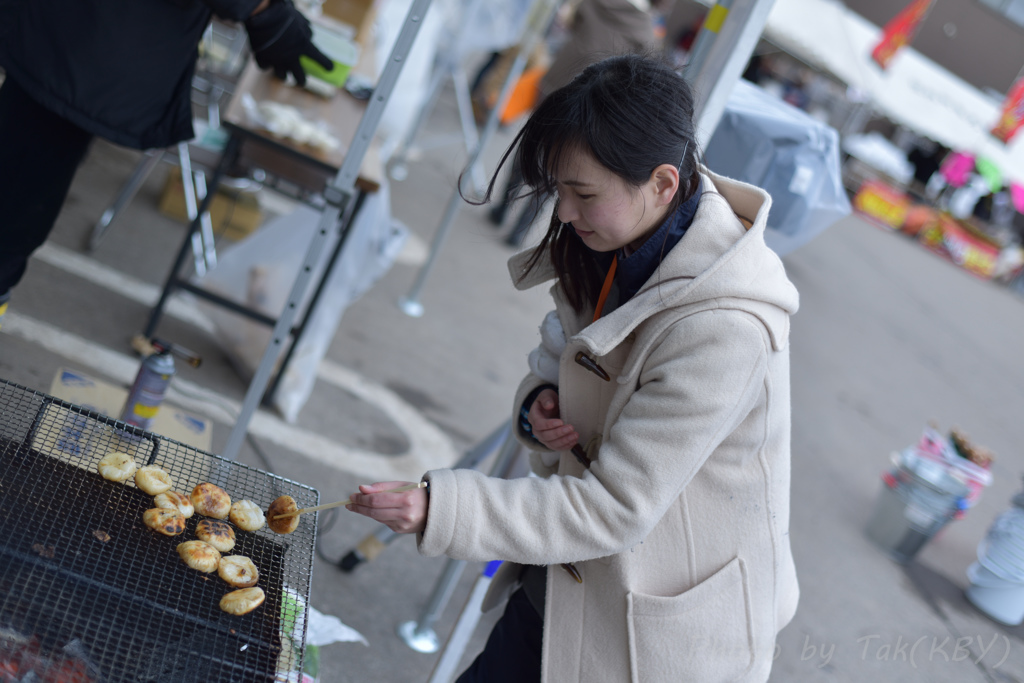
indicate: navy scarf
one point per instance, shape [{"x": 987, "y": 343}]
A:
[{"x": 636, "y": 269}]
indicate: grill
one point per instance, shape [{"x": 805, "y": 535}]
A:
[{"x": 86, "y": 587}]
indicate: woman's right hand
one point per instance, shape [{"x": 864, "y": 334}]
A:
[{"x": 547, "y": 426}]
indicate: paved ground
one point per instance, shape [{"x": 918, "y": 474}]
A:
[{"x": 887, "y": 337}]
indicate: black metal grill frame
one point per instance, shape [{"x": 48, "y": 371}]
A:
[{"x": 140, "y": 612}]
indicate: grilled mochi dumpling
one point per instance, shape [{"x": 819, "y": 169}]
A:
[
  {"x": 165, "y": 521},
  {"x": 243, "y": 600},
  {"x": 153, "y": 480},
  {"x": 238, "y": 571},
  {"x": 211, "y": 500},
  {"x": 116, "y": 466},
  {"x": 282, "y": 505},
  {"x": 199, "y": 555},
  {"x": 217, "y": 533},
  {"x": 174, "y": 501},
  {"x": 246, "y": 515}
]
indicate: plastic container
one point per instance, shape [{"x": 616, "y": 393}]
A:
[
  {"x": 918, "y": 498},
  {"x": 336, "y": 47}
]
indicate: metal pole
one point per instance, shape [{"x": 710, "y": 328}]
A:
[
  {"x": 253, "y": 396},
  {"x": 448, "y": 66},
  {"x": 419, "y": 634},
  {"x": 346, "y": 178},
  {"x": 337, "y": 194},
  {"x": 713, "y": 21},
  {"x": 721, "y": 52},
  {"x": 542, "y": 14},
  {"x": 469, "y": 617},
  {"x": 299, "y": 330}
]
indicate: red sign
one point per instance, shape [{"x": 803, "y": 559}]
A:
[
  {"x": 962, "y": 245},
  {"x": 900, "y": 31},
  {"x": 1012, "y": 117},
  {"x": 883, "y": 203}
]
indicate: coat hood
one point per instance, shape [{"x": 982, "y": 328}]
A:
[{"x": 722, "y": 262}]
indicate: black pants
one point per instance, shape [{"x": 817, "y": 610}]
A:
[
  {"x": 513, "y": 650},
  {"x": 39, "y": 152}
]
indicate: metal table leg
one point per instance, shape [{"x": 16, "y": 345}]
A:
[
  {"x": 226, "y": 160},
  {"x": 139, "y": 175},
  {"x": 189, "y": 191}
]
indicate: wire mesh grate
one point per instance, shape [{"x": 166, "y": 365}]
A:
[{"x": 85, "y": 584}]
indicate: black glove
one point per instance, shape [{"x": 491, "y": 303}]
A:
[{"x": 278, "y": 36}]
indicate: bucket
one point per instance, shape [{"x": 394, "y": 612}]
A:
[
  {"x": 997, "y": 578},
  {"x": 918, "y": 498},
  {"x": 999, "y": 598}
]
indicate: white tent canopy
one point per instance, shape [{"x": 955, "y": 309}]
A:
[{"x": 914, "y": 91}]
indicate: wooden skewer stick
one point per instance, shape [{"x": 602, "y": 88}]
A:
[{"x": 327, "y": 506}]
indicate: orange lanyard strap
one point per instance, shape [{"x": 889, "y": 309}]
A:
[{"x": 606, "y": 288}]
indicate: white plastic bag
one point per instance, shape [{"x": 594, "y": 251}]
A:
[
  {"x": 494, "y": 26},
  {"x": 410, "y": 90},
  {"x": 326, "y": 629},
  {"x": 783, "y": 150}
]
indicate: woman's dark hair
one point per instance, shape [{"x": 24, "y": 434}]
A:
[{"x": 632, "y": 113}]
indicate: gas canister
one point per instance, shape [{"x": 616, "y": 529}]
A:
[{"x": 151, "y": 383}]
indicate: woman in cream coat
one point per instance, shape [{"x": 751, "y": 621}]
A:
[{"x": 658, "y": 406}]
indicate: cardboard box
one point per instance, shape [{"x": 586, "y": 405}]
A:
[
  {"x": 68, "y": 436},
  {"x": 359, "y": 14},
  {"x": 235, "y": 215}
]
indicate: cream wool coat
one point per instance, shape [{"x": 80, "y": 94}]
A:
[{"x": 680, "y": 528}]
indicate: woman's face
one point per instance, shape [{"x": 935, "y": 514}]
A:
[{"x": 606, "y": 213}]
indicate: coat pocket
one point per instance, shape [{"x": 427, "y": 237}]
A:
[{"x": 700, "y": 636}]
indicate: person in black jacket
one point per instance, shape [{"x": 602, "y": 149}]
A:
[{"x": 118, "y": 69}]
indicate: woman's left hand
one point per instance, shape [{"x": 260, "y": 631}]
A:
[{"x": 403, "y": 513}]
